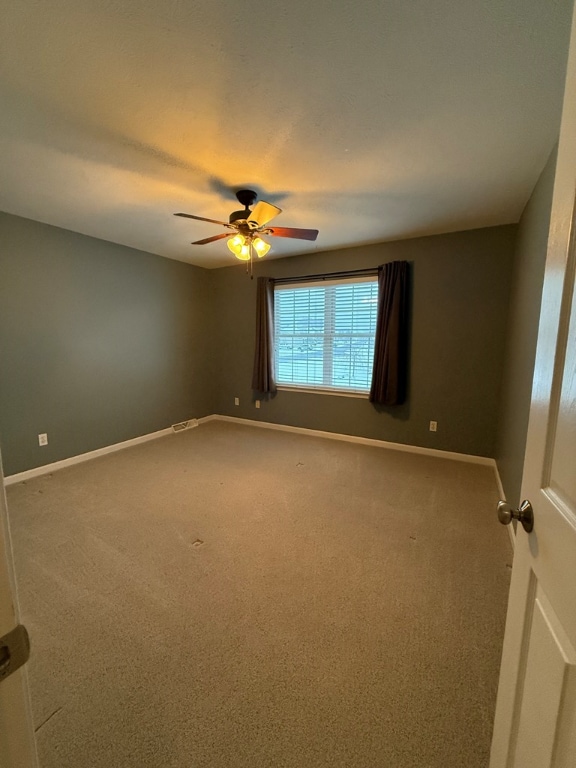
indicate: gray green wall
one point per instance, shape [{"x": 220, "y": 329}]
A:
[
  {"x": 99, "y": 343},
  {"x": 460, "y": 288},
  {"x": 525, "y": 298}
]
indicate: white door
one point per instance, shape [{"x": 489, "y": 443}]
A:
[
  {"x": 17, "y": 747},
  {"x": 535, "y": 723}
]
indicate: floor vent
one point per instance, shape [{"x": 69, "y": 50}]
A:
[{"x": 182, "y": 425}]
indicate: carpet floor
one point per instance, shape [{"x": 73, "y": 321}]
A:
[{"x": 236, "y": 596}]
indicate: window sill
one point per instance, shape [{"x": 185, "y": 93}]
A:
[{"x": 318, "y": 391}]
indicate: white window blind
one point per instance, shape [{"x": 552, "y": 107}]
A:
[{"x": 324, "y": 334}]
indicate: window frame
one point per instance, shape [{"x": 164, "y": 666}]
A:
[{"x": 307, "y": 388}]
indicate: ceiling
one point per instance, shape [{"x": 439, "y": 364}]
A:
[{"x": 374, "y": 121}]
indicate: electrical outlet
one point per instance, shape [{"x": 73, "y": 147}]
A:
[
  {"x": 433, "y": 426},
  {"x": 236, "y": 401},
  {"x": 257, "y": 403},
  {"x": 43, "y": 439}
]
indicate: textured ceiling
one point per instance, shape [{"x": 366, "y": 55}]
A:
[{"x": 372, "y": 121}]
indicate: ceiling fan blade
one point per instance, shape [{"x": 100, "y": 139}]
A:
[
  {"x": 212, "y": 239},
  {"x": 201, "y": 218},
  {"x": 298, "y": 234},
  {"x": 262, "y": 213}
]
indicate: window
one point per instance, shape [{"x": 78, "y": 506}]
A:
[{"x": 324, "y": 334}]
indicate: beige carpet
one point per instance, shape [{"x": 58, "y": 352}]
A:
[{"x": 234, "y": 596}]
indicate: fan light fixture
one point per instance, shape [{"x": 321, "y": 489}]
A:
[
  {"x": 248, "y": 224},
  {"x": 241, "y": 246},
  {"x": 260, "y": 246}
]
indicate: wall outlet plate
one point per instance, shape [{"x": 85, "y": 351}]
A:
[
  {"x": 433, "y": 426},
  {"x": 43, "y": 439},
  {"x": 257, "y": 403},
  {"x": 236, "y": 401}
]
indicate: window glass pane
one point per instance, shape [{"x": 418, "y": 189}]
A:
[{"x": 324, "y": 334}]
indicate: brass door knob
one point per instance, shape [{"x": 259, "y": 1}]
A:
[{"x": 524, "y": 514}]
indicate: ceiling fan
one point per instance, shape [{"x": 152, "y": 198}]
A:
[{"x": 247, "y": 225}]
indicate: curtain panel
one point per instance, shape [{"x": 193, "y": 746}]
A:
[
  {"x": 390, "y": 372},
  {"x": 263, "y": 375}
]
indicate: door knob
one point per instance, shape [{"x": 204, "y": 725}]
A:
[{"x": 525, "y": 514}]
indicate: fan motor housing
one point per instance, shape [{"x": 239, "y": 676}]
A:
[
  {"x": 238, "y": 216},
  {"x": 247, "y": 197}
]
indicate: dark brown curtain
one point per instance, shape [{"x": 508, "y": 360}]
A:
[
  {"x": 390, "y": 372},
  {"x": 263, "y": 376}
]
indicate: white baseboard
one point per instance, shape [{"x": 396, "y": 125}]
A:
[
  {"x": 56, "y": 465},
  {"x": 511, "y": 531},
  {"x": 355, "y": 439},
  {"x": 512, "y": 535},
  {"x": 47, "y": 468},
  {"x": 205, "y": 419},
  {"x": 499, "y": 482}
]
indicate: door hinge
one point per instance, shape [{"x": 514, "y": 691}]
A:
[{"x": 14, "y": 651}]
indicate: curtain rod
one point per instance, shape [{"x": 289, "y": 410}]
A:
[{"x": 327, "y": 276}]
